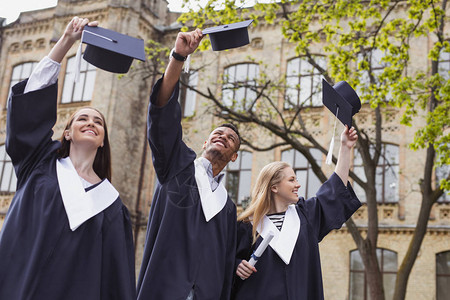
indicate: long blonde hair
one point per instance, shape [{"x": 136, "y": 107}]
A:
[{"x": 262, "y": 196}]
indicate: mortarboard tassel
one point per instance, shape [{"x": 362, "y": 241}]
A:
[
  {"x": 76, "y": 78},
  {"x": 187, "y": 64},
  {"x": 329, "y": 159}
]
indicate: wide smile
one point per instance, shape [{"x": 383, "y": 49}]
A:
[
  {"x": 90, "y": 131},
  {"x": 221, "y": 143}
]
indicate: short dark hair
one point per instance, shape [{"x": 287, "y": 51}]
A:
[{"x": 234, "y": 128}]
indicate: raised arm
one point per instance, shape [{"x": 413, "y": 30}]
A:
[
  {"x": 348, "y": 141},
  {"x": 71, "y": 34},
  {"x": 185, "y": 44},
  {"x": 47, "y": 71}
]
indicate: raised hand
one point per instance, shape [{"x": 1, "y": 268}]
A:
[
  {"x": 187, "y": 42},
  {"x": 76, "y": 26},
  {"x": 349, "y": 137},
  {"x": 71, "y": 34}
]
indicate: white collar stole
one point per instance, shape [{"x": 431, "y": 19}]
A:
[
  {"x": 212, "y": 202},
  {"x": 283, "y": 242},
  {"x": 80, "y": 205}
]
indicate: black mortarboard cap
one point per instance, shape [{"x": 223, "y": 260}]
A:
[
  {"x": 228, "y": 36},
  {"x": 341, "y": 95},
  {"x": 110, "y": 50}
]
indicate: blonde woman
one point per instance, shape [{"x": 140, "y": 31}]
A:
[{"x": 290, "y": 266}]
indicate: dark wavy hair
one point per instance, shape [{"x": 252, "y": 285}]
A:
[{"x": 102, "y": 161}]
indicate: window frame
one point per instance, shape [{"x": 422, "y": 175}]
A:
[
  {"x": 188, "y": 97},
  {"x": 381, "y": 264},
  {"x": 442, "y": 275},
  {"x": 315, "y": 83},
  {"x": 229, "y": 170},
  {"x": 386, "y": 166},
  {"x": 88, "y": 73},
  {"x": 229, "y": 86},
  {"x": 5, "y": 161},
  {"x": 13, "y": 81},
  {"x": 309, "y": 191}
]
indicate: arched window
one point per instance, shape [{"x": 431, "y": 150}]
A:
[
  {"x": 239, "y": 85},
  {"x": 309, "y": 183},
  {"x": 238, "y": 178},
  {"x": 386, "y": 180},
  {"x": 8, "y": 178},
  {"x": 303, "y": 82},
  {"x": 387, "y": 262},
  {"x": 442, "y": 275},
  {"x": 81, "y": 90},
  {"x": 21, "y": 72}
]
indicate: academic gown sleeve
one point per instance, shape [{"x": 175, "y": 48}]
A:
[
  {"x": 332, "y": 206},
  {"x": 165, "y": 137},
  {"x": 28, "y": 139}
]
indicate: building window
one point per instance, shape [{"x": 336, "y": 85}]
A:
[
  {"x": 239, "y": 86},
  {"x": 442, "y": 275},
  {"x": 8, "y": 178},
  {"x": 187, "y": 96},
  {"x": 442, "y": 172},
  {"x": 377, "y": 65},
  {"x": 84, "y": 88},
  {"x": 309, "y": 182},
  {"x": 303, "y": 82},
  {"x": 238, "y": 178},
  {"x": 386, "y": 180},
  {"x": 21, "y": 72},
  {"x": 444, "y": 64},
  {"x": 387, "y": 262}
]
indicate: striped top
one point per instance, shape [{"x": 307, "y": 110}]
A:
[{"x": 277, "y": 219}]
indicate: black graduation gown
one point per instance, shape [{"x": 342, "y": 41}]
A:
[
  {"x": 182, "y": 250},
  {"x": 40, "y": 256},
  {"x": 302, "y": 278}
]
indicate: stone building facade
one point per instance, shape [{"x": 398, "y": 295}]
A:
[{"x": 124, "y": 102}]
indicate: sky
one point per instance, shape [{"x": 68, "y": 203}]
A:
[{"x": 11, "y": 11}]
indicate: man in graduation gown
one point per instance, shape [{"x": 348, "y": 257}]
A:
[{"x": 191, "y": 237}]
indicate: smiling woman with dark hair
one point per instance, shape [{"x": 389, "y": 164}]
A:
[{"x": 67, "y": 234}]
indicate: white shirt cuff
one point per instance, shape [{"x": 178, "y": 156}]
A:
[{"x": 45, "y": 74}]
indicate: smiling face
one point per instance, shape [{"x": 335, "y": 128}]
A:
[
  {"x": 87, "y": 128},
  {"x": 222, "y": 143},
  {"x": 286, "y": 191}
]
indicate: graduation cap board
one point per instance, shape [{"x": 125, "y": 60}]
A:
[
  {"x": 228, "y": 36},
  {"x": 111, "y": 51},
  {"x": 342, "y": 100}
]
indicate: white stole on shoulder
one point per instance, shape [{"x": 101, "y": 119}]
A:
[
  {"x": 80, "y": 205},
  {"x": 212, "y": 202},
  {"x": 283, "y": 242}
]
